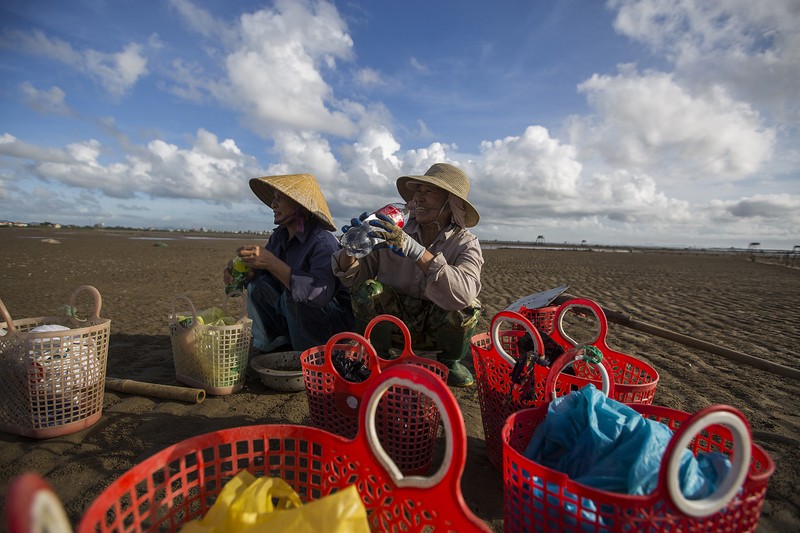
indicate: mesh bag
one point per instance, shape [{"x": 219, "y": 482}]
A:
[
  {"x": 53, "y": 381},
  {"x": 538, "y": 498},
  {"x": 495, "y": 354},
  {"x": 408, "y": 422},
  {"x": 181, "y": 482},
  {"x": 213, "y": 358}
]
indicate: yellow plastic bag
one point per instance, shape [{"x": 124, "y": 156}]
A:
[{"x": 248, "y": 504}]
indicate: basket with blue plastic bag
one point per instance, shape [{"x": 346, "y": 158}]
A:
[{"x": 587, "y": 462}]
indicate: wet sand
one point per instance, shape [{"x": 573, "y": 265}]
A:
[{"x": 726, "y": 299}]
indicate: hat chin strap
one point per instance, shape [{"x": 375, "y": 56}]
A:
[{"x": 436, "y": 220}]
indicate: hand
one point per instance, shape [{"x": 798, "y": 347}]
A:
[
  {"x": 255, "y": 257},
  {"x": 355, "y": 222},
  {"x": 395, "y": 239}
]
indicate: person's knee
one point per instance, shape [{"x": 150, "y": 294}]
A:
[
  {"x": 261, "y": 291},
  {"x": 454, "y": 335}
]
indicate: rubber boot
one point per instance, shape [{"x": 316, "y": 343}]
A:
[{"x": 454, "y": 343}]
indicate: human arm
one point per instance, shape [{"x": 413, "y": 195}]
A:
[
  {"x": 453, "y": 277},
  {"x": 448, "y": 274},
  {"x": 395, "y": 239},
  {"x": 313, "y": 280}
]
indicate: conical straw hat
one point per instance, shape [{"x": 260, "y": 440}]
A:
[
  {"x": 451, "y": 179},
  {"x": 302, "y": 188}
]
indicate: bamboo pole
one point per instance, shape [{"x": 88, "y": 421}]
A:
[
  {"x": 169, "y": 392},
  {"x": 625, "y": 320}
]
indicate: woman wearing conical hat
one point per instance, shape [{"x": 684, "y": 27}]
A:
[
  {"x": 428, "y": 273},
  {"x": 294, "y": 299}
]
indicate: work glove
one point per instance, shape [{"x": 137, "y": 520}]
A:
[
  {"x": 355, "y": 222},
  {"x": 394, "y": 238}
]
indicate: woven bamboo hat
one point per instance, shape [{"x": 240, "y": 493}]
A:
[
  {"x": 302, "y": 188},
  {"x": 447, "y": 177}
]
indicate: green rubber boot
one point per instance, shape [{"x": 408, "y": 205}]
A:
[{"x": 459, "y": 375}]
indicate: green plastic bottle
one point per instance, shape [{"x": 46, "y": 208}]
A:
[{"x": 239, "y": 272}]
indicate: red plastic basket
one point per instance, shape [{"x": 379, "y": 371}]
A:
[
  {"x": 181, "y": 482},
  {"x": 635, "y": 381},
  {"x": 494, "y": 355},
  {"x": 542, "y": 499},
  {"x": 543, "y": 318},
  {"x": 333, "y": 401}
]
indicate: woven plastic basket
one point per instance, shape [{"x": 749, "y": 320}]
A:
[
  {"x": 543, "y": 318},
  {"x": 213, "y": 358},
  {"x": 635, "y": 381},
  {"x": 181, "y": 482},
  {"x": 409, "y": 434},
  {"x": 53, "y": 382},
  {"x": 537, "y": 498},
  {"x": 494, "y": 355}
]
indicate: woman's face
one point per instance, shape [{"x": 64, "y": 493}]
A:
[
  {"x": 283, "y": 209},
  {"x": 428, "y": 202}
]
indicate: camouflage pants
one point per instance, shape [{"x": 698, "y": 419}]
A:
[{"x": 431, "y": 327}]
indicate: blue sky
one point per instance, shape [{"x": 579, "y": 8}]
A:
[{"x": 641, "y": 122}]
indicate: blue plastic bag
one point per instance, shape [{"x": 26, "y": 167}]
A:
[{"x": 605, "y": 444}]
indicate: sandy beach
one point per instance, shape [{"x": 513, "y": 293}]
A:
[{"x": 731, "y": 300}]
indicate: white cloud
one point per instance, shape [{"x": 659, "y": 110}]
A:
[
  {"x": 208, "y": 170},
  {"x": 305, "y": 152},
  {"x": 753, "y": 218},
  {"x": 189, "y": 82},
  {"x": 12, "y": 147},
  {"x": 753, "y": 48},
  {"x": 369, "y": 77},
  {"x": 530, "y": 169},
  {"x": 116, "y": 72},
  {"x": 767, "y": 206},
  {"x": 37, "y": 43},
  {"x": 274, "y": 61},
  {"x": 631, "y": 198},
  {"x": 418, "y": 65},
  {"x": 49, "y": 101},
  {"x": 198, "y": 19},
  {"x": 649, "y": 122},
  {"x": 373, "y": 156}
]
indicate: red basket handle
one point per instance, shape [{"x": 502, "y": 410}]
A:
[
  {"x": 562, "y": 338},
  {"x": 516, "y": 318},
  {"x": 328, "y": 366},
  {"x": 98, "y": 300},
  {"x": 578, "y": 354},
  {"x": 426, "y": 382},
  {"x": 743, "y": 451},
  {"x": 407, "y": 352}
]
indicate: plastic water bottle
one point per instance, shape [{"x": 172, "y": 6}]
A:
[
  {"x": 239, "y": 272},
  {"x": 357, "y": 243}
]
